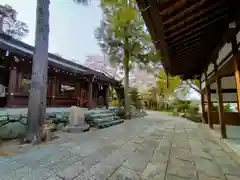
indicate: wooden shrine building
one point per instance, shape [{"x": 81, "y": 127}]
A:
[
  {"x": 69, "y": 83},
  {"x": 199, "y": 39}
]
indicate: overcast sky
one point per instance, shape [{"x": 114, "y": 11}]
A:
[{"x": 71, "y": 26}]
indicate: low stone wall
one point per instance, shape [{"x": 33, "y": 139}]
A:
[{"x": 13, "y": 120}]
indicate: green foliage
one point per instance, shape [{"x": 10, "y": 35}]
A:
[
  {"x": 181, "y": 105},
  {"x": 193, "y": 110},
  {"x": 123, "y": 37},
  {"x": 173, "y": 84},
  {"x": 194, "y": 117},
  {"x": 120, "y": 112},
  {"x": 226, "y": 107},
  {"x": 136, "y": 98},
  {"x": 175, "y": 113}
]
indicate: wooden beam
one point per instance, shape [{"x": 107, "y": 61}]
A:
[
  {"x": 182, "y": 14},
  {"x": 191, "y": 46},
  {"x": 219, "y": 46},
  {"x": 224, "y": 91},
  {"x": 179, "y": 41},
  {"x": 193, "y": 17},
  {"x": 203, "y": 105},
  {"x": 220, "y": 104},
  {"x": 209, "y": 103},
  {"x": 149, "y": 17},
  {"x": 162, "y": 5},
  {"x": 188, "y": 53},
  {"x": 236, "y": 68},
  {"x": 197, "y": 27},
  {"x": 173, "y": 7}
]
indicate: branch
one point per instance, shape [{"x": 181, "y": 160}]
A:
[{"x": 193, "y": 86}]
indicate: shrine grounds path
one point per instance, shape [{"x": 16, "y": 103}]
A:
[{"x": 157, "y": 147}]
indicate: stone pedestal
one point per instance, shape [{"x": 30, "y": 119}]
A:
[
  {"x": 76, "y": 121},
  {"x": 76, "y": 129}
]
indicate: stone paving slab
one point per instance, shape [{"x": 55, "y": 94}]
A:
[{"x": 156, "y": 147}]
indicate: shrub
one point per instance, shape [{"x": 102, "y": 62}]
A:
[
  {"x": 175, "y": 113},
  {"x": 195, "y": 118},
  {"x": 120, "y": 112},
  {"x": 192, "y": 110}
]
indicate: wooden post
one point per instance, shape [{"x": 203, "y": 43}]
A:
[
  {"x": 80, "y": 97},
  {"x": 53, "y": 90},
  {"x": 12, "y": 86},
  {"x": 209, "y": 103},
  {"x": 106, "y": 95},
  {"x": 220, "y": 108},
  {"x": 78, "y": 93},
  {"x": 90, "y": 93},
  {"x": 19, "y": 80},
  {"x": 220, "y": 103},
  {"x": 236, "y": 69},
  {"x": 203, "y": 105}
]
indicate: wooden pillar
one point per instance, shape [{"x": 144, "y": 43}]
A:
[
  {"x": 220, "y": 108},
  {"x": 236, "y": 68},
  {"x": 57, "y": 87},
  {"x": 106, "y": 95},
  {"x": 53, "y": 90},
  {"x": 19, "y": 81},
  {"x": 90, "y": 93},
  {"x": 81, "y": 97},
  {"x": 209, "y": 103},
  {"x": 203, "y": 105},
  {"x": 12, "y": 86},
  {"x": 78, "y": 93}
]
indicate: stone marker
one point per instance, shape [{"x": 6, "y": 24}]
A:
[
  {"x": 47, "y": 133},
  {"x": 76, "y": 121}
]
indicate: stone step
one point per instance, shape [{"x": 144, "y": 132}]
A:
[
  {"x": 109, "y": 123},
  {"x": 102, "y": 115},
  {"x": 101, "y": 120}
]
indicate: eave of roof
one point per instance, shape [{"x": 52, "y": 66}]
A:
[
  {"x": 187, "y": 32},
  {"x": 19, "y": 47}
]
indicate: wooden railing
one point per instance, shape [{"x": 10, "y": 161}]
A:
[{"x": 229, "y": 118}]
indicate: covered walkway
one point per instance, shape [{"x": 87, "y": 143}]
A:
[
  {"x": 200, "y": 40},
  {"x": 156, "y": 147}
]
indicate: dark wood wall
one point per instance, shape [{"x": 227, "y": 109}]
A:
[{"x": 65, "y": 89}]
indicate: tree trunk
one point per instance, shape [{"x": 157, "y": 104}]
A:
[
  {"x": 38, "y": 92},
  {"x": 126, "y": 86}
]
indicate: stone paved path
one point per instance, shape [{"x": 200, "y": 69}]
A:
[{"x": 156, "y": 147}]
